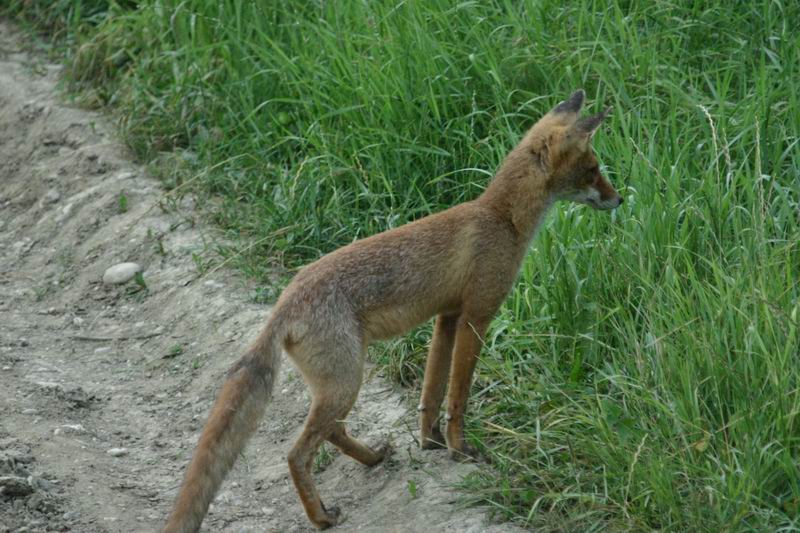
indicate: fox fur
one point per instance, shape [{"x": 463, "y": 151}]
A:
[{"x": 458, "y": 265}]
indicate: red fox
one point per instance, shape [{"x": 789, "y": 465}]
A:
[{"x": 458, "y": 265}]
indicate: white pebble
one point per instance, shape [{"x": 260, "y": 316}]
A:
[
  {"x": 65, "y": 212},
  {"x": 117, "y": 452},
  {"x": 121, "y": 273},
  {"x": 52, "y": 196}
]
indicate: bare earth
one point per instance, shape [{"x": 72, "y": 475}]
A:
[{"x": 86, "y": 368}]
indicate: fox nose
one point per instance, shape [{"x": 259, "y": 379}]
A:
[{"x": 621, "y": 201}]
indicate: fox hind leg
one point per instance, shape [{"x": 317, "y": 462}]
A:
[
  {"x": 320, "y": 422},
  {"x": 355, "y": 448},
  {"x": 334, "y": 377}
]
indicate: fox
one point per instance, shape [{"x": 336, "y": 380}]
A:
[{"x": 457, "y": 265}]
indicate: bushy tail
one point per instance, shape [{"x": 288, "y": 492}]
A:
[{"x": 234, "y": 417}]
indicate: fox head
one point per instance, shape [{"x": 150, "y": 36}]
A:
[{"x": 561, "y": 144}]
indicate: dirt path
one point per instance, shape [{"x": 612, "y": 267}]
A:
[{"x": 88, "y": 368}]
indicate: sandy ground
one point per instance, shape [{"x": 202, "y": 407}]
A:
[{"x": 88, "y": 368}]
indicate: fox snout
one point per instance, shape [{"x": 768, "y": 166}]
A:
[
  {"x": 598, "y": 194},
  {"x": 611, "y": 200},
  {"x": 602, "y": 195},
  {"x": 612, "y": 203}
]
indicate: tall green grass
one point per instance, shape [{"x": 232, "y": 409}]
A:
[{"x": 644, "y": 372}]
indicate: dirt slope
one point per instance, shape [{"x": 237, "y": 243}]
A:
[{"x": 88, "y": 368}]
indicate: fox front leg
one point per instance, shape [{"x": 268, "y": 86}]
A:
[
  {"x": 468, "y": 342},
  {"x": 437, "y": 370}
]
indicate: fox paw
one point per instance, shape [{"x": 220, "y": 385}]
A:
[
  {"x": 434, "y": 441},
  {"x": 331, "y": 517},
  {"x": 384, "y": 451},
  {"x": 467, "y": 454}
]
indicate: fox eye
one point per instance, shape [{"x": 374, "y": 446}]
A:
[{"x": 589, "y": 176}]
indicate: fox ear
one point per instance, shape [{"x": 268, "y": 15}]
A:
[
  {"x": 573, "y": 104},
  {"x": 588, "y": 125}
]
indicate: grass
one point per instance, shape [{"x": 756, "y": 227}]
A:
[{"x": 644, "y": 372}]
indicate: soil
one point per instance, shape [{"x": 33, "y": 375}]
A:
[{"x": 104, "y": 387}]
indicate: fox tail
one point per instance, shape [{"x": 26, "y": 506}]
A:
[{"x": 233, "y": 419}]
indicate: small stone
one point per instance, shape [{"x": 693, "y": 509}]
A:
[
  {"x": 117, "y": 452},
  {"x": 76, "y": 397},
  {"x": 70, "y": 428},
  {"x": 121, "y": 273},
  {"x": 52, "y": 196},
  {"x": 41, "y": 483},
  {"x": 77, "y": 321},
  {"x": 20, "y": 245},
  {"x": 65, "y": 212},
  {"x": 39, "y": 502},
  {"x": 14, "y": 486},
  {"x": 29, "y": 411},
  {"x": 23, "y": 341},
  {"x": 6, "y": 367}
]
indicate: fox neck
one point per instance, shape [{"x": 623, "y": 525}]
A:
[{"x": 516, "y": 195}]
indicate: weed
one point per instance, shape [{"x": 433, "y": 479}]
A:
[
  {"x": 201, "y": 263},
  {"x": 263, "y": 295},
  {"x": 323, "y": 459},
  {"x": 157, "y": 238},
  {"x": 138, "y": 279},
  {"x": 174, "y": 351},
  {"x": 412, "y": 488}
]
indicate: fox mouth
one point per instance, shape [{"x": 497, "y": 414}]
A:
[
  {"x": 602, "y": 206},
  {"x": 594, "y": 204}
]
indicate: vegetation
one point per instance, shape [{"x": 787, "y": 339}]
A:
[{"x": 644, "y": 372}]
